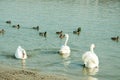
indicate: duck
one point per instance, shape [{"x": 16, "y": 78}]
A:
[
  {"x": 77, "y": 31},
  {"x": 59, "y": 32},
  {"x": 90, "y": 58},
  {"x": 2, "y": 31},
  {"x": 36, "y": 28},
  {"x": 44, "y": 34},
  {"x": 65, "y": 49},
  {"x": 115, "y": 38},
  {"x": 16, "y": 26},
  {"x": 8, "y": 22},
  {"x": 61, "y": 36},
  {"x": 20, "y": 53}
]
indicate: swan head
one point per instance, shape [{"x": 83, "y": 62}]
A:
[
  {"x": 92, "y": 46},
  {"x": 19, "y": 47}
]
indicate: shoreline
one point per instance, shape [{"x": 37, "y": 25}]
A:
[{"x": 9, "y": 73}]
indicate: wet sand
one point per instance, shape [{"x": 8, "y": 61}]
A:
[{"x": 7, "y": 73}]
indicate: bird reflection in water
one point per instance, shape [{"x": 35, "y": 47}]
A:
[
  {"x": 23, "y": 63},
  {"x": 89, "y": 78},
  {"x": 66, "y": 63},
  {"x": 90, "y": 71}
]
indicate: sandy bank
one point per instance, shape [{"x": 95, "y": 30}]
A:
[{"x": 17, "y": 74}]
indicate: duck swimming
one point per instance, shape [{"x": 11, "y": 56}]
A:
[
  {"x": 59, "y": 32},
  {"x": 36, "y": 28},
  {"x": 61, "y": 36},
  {"x": 2, "y": 31},
  {"x": 16, "y": 26},
  {"x": 115, "y": 38},
  {"x": 44, "y": 34},
  {"x": 77, "y": 31}
]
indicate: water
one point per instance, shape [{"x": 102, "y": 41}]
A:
[{"x": 98, "y": 19}]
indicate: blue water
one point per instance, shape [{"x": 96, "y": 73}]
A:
[{"x": 99, "y": 21}]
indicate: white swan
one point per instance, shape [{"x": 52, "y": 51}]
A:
[
  {"x": 90, "y": 58},
  {"x": 20, "y": 53},
  {"x": 65, "y": 50}
]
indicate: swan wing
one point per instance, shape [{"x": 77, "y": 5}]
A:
[
  {"x": 85, "y": 55},
  {"x": 19, "y": 53},
  {"x": 94, "y": 58},
  {"x": 25, "y": 55},
  {"x": 64, "y": 49}
]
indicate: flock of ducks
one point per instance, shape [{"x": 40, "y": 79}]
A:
[
  {"x": 44, "y": 34},
  {"x": 89, "y": 58}
]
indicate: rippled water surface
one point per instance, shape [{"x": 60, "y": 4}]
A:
[{"x": 99, "y": 21}]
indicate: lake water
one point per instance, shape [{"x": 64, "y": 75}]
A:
[{"x": 99, "y": 21}]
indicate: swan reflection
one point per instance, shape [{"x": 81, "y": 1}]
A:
[
  {"x": 89, "y": 78},
  {"x": 90, "y": 71},
  {"x": 66, "y": 62},
  {"x": 23, "y": 63}
]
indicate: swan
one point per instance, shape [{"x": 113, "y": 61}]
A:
[
  {"x": 90, "y": 58},
  {"x": 65, "y": 50},
  {"x": 20, "y": 53}
]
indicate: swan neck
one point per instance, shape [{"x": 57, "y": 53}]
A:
[
  {"x": 66, "y": 41},
  {"x": 92, "y": 49}
]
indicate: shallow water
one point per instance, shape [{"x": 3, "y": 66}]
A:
[{"x": 98, "y": 19}]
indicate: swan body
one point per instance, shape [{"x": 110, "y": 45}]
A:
[
  {"x": 90, "y": 58},
  {"x": 20, "y": 53},
  {"x": 65, "y": 50}
]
